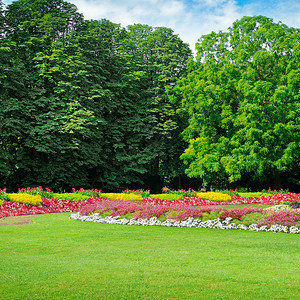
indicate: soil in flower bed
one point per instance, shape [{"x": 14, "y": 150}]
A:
[{"x": 18, "y": 220}]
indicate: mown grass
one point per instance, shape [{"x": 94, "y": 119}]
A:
[{"x": 57, "y": 258}]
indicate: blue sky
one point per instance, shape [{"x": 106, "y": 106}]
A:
[{"x": 190, "y": 19}]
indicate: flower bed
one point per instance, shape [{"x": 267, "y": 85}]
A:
[
  {"x": 140, "y": 210},
  {"x": 199, "y": 201},
  {"x": 279, "y": 198},
  {"x": 235, "y": 200},
  {"x": 175, "y": 214},
  {"x": 34, "y": 200},
  {"x": 190, "y": 222},
  {"x": 190, "y": 197},
  {"x": 10, "y": 208},
  {"x": 70, "y": 196}
]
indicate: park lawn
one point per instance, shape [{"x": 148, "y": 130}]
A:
[{"x": 57, "y": 258}]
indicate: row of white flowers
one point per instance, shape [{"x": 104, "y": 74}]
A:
[{"x": 190, "y": 222}]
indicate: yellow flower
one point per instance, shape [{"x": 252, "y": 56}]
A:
[
  {"x": 214, "y": 196},
  {"x": 25, "y": 198},
  {"x": 121, "y": 196}
]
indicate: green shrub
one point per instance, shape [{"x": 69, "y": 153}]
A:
[
  {"x": 228, "y": 192},
  {"x": 3, "y": 196},
  {"x": 253, "y": 218},
  {"x": 236, "y": 222},
  {"x": 211, "y": 216},
  {"x": 143, "y": 193},
  {"x": 91, "y": 192},
  {"x": 106, "y": 213},
  {"x": 47, "y": 193},
  {"x": 182, "y": 192},
  {"x": 173, "y": 213},
  {"x": 70, "y": 196},
  {"x": 166, "y": 196},
  {"x": 254, "y": 194},
  {"x": 128, "y": 216},
  {"x": 162, "y": 218},
  {"x": 272, "y": 192}
]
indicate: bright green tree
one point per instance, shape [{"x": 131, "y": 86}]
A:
[{"x": 242, "y": 100}]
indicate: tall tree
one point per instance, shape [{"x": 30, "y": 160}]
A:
[
  {"x": 242, "y": 99},
  {"x": 108, "y": 99},
  {"x": 85, "y": 102},
  {"x": 128, "y": 71},
  {"x": 31, "y": 114},
  {"x": 156, "y": 58}
]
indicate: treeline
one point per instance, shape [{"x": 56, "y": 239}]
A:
[
  {"x": 87, "y": 103},
  {"x": 84, "y": 102}
]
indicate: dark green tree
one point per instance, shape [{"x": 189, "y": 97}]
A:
[
  {"x": 242, "y": 99},
  {"x": 128, "y": 71},
  {"x": 32, "y": 116},
  {"x": 156, "y": 58},
  {"x": 2, "y": 18},
  {"x": 109, "y": 99},
  {"x": 86, "y": 103}
]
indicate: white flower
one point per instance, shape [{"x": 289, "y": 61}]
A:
[
  {"x": 253, "y": 227},
  {"x": 242, "y": 227},
  {"x": 190, "y": 222},
  {"x": 263, "y": 228}
]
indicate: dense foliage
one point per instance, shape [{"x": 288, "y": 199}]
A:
[
  {"x": 83, "y": 103},
  {"x": 241, "y": 97},
  {"x": 89, "y": 103}
]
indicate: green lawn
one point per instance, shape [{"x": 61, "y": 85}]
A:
[{"x": 57, "y": 258}]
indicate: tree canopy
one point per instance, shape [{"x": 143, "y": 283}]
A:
[
  {"x": 83, "y": 102},
  {"x": 90, "y": 103},
  {"x": 241, "y": 96}
]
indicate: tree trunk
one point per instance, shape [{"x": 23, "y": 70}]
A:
[{"x": 276, "y": 177}]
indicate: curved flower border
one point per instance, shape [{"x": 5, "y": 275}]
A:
[{"x": 190, "y": 222}]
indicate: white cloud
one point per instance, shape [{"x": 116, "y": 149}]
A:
[
  {"x": 209, "y": 3},
  {"x": 130, "y": 11},
  {"x": 208, "y": 19},
  {"x": 172, "y": 8},
  {"x": 190, "y": 19},
  {"x": 288, "y": 12}
]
